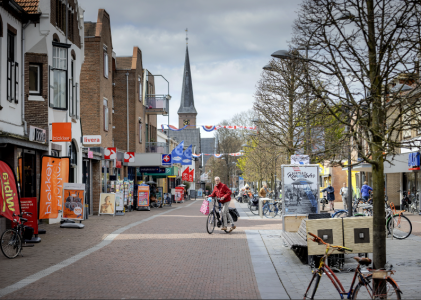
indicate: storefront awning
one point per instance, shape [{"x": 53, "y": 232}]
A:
[
  {"x": 173, "y": 171},
  {"x": 147, "y": 160},
  {"x": 364, "y": 167}
]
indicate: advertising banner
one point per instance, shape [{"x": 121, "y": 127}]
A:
[
  {"x": 29, "y": 205},
  {"x": 300, "y": 189},
  {"x": 61, "y": 132},
  {"x": 143, "y": 196},
  {"x": 107, "y": 204},
  {"x": 185, "y": 175},
  {"x": 9, "y": 196},
  {"x": 119, "y": 201},
  {"x": 177, "y": 153},
  {"x": 74, "y": 201},
  {"x": 179, "y": 194},
  {"x": 191, "y": 175},
  {"x": 187, "y": 156},
  {"x": 300, "y": 159},
  {"x": 54, "y": 173}
]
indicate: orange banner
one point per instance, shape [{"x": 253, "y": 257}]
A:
[
  {"x": 74, "y": 204},
  {"x": 54, "y": 173}
]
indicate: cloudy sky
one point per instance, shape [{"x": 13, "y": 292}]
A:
[{"x": 229, "y": 43}]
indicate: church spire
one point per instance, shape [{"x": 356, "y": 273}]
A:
[{"x": 187, "y": 100}]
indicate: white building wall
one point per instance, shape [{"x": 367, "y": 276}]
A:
[{"x": 10, "y": 115}]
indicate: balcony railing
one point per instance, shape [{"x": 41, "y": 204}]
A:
[
  {"x": 157, "y": 104},
  {"x": 155, "y": 147}
]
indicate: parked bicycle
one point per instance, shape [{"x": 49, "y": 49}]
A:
[
  {"x": 271, "y": 210},
  {"x": 405, "y": 200},
  {"x": 362, "y": 286},
  {"x": 215, "y": 217},
  {"x": 253, "y": 205},
  {"x": 12, "y": 240},
  {"x": 414, "y": 206}
]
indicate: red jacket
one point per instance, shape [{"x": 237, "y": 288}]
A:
[{"x": 221, "y": 190}]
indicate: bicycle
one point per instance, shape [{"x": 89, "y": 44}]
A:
[
  {"x": 361, "y": 286},
  {"x": 414, "y": 206},
  {"x": 11, "y": 240},
  {"x": 270, "y": 210},
  {"x": 397, "y": 223},
  {"x": 214, "y": 218}
]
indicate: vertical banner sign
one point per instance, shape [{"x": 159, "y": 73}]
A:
[
  {"x": 61, "y": 132},
  {"x": 191, "y": 175},
  {"x": 119, "y": 201},
  {"x": 185, "y": 175},
  {"x": 143, "y": 196},
  {"x": 179, "y": 194},
  {"x": 300, "y": 189},
  {"x": 54, "y": 173},
  {"x": 74, "y": 201},
  {"x": 187, "y": 157},
  {"x": 29, "y": 205},
  {"x": 9, "y": 196}
]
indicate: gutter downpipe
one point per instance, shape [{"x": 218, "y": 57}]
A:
[
  {"x": 22, "y": 71},
  {"x": 127, "y": 86}
]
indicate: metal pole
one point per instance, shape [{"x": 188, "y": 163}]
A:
[
  {"x": 349, "y": 200},
  {"x": 276, "y": 193},
  {"x": 127, "y": 85},
  {"x": 307, "y": 103}
]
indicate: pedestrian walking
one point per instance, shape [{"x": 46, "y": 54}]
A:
[
  {"x": 365, "y": 191},
  {"x": 330, "y": 196},
  {"x": 344, "y": 193},
  {"x": 263, "y": 191},
  {"x": 224, "y": 193}
]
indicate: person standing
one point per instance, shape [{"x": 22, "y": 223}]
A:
[
  {"x": 330, "y": 196},
  {"x": 344, "y": 193},
  {"x": 224, "y": 194},
  {"x": 263, "y": 191},
  {"x": 365, "y": 191}
]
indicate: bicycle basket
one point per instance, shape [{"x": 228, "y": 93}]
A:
[{"x": 28, "y": 233}]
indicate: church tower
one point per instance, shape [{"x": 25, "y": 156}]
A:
[{"x": 187, "y": 112}]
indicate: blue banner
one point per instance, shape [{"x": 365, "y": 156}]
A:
[
  {"x": 177, "y": 153},
  {"x": 187, "y": 156}
]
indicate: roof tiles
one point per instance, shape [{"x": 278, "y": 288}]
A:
[{"x": 30, "y": 6}]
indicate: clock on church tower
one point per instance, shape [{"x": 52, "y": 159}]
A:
[{"x": 186, "y": 122}]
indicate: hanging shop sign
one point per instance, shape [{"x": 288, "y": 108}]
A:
[
  {"x": 300, "y": 189},
  {"x": 414, "y": 161},
  {"x": 129, "y": 157},
  {"x": 91, "y": 140},
  {"x": 191, "y": 175},
  {"x": 54, "y": 174},
  {"x": 118, "y": 164},
  {"x": 9, "y": 196},
  {"x": 73, "y": 201},
  {"x": 61, "y": 132},
  {"x": 166, "y": 160},
  {"x": 37, "y": 134},
  {"x": 107, "y": 204},
  {"x": 143, "y": 196},
  {"x": 110, "y": 153},
  {"x": 185, "y": 175}
]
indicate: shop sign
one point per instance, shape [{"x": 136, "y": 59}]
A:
[
  {"x": 129, "y": 157},
  {"x": 166, "y": 160},
  {"x": 29, "y": 205},
  {"x": 91, "y": 139},
  {"x": 37, "y": 134},
  {"x": 110, "y": 153},
  {"x": 414, "y": 161},
  {"x": 152, "y": 170},
  {"x": 143, "y": 196},
  {"x": 61, "y": 132}
]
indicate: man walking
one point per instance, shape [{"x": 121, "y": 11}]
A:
[
  {"x": 330, "y": 196},
  {"x": 224, "y": 193},
  {"x": 344, "y": 193}
]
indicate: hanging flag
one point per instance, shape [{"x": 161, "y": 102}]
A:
[
  {"x": 9, "y": 196},
  {"x": 177, "y": 153},
  {"x": 196, "y": 155},
  {"x": 208, "y": 128},
  {"x": 191, "y": 175},
  {"x": 54, "y": 173},
  {"x": 218, "y": 155},
  {"x": 162, "y": 127},
  {"x": 185, "y": 175},
  {"x": 187, "y": 157},
  {"x": 129, "y": 157},
  {"x": 173, "y": 128}
]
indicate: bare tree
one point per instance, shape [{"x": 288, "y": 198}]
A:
[{"x": 370, "y": 50}]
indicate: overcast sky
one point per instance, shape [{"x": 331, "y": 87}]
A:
[{"x": 229, "y": 43}]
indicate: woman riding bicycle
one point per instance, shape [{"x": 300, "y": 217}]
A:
[{"x": 224, "y": 193}]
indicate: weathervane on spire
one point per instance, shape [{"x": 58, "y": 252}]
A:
[{"x": 187, "y": 36}]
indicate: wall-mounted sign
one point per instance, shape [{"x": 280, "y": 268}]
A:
[
  {"x": 37, "y": 134},
  {"x": 166, "y": 160},
  {"x": 152, "y": 170},
  {"x": 129, "y": 157},
  {"x": 61, "y": 132},
  {"x": 91, "y": 140},
  {"x": 110, "y": 153}
]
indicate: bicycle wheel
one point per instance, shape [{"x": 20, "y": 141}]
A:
[
  {"x": 211, "y": 222},
  {"x": 312, "y": 287},
  {"x": 269, "y": 211},
  {"x": 10, "y": 243},
  {"x": 402, "y": 227},
  {"x": 364, "y": 291},
  {"x": 254, "y": 209}
]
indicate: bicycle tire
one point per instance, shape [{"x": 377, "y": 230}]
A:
[
  {"x": 313, "y": 286},
  {"x": 268, "y": 212},
  {"x": 254, "y": 209},
  {"x": 211, "y": 222},
  {"x": 10, "y": 243},
  {"x": 401, "y": 230},
  {"x": 364, "y": 293}
]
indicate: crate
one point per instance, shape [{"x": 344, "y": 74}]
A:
[
  {"x": 330, "y": 230},
  {"x": 358, "y": 234}
]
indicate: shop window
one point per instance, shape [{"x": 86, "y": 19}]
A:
[
  {"x": 35, "y": 79},
  {"x": 140, "y": 88},
  {"x": 105, "y": 61},
  {"x": 58, "y": 79},
  {"x": 12, "y": 69},
  {"x": 105, "y": 114}
]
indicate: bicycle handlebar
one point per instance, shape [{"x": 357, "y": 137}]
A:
[{"x": 319, "y": 240}]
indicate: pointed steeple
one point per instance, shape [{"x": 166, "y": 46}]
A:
[{"x": 187, "y": 100}]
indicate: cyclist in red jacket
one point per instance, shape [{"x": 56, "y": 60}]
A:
[{"x": 224, "y": 193}]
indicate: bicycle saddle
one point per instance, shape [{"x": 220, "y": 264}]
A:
[
  {"x": 363, "y": 260},
  {"x": 24, "y": 220}
]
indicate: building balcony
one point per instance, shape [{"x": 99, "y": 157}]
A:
[
  {"x": 154, "y": 147},
  {"x": 157, "y": 105}
]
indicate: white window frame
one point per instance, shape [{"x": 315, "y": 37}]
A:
[
  {"x": 38, "y": 90},
  {"x": 105, "y": 49},
  {"x": 60, "y": 61},
  {"x": 139, "y": 79}
]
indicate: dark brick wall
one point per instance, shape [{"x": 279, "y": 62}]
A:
[
  {"x": 73, "y": 32},
  {"x": 36, "y": 112},
  {"x": 96, "y": 185}
]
